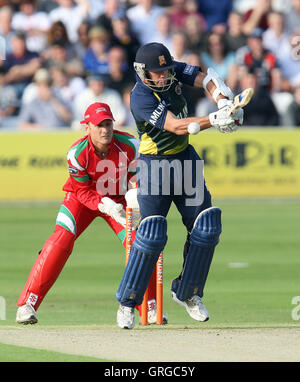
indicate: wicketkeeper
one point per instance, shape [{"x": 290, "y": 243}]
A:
[
  {"x": 160, "y": 112},
  {"x": 101, "y": 165}
]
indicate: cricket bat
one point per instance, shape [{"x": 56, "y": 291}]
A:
[{"x": 241, "y": 100}]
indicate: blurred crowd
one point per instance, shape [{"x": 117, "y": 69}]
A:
[{"x": 58, "y": 56}]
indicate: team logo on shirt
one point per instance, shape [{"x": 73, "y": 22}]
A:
[
  {"x": 162, "y": 60},
  {"x": 73, "y": 170},
  {"x": 178, "y": 90}
]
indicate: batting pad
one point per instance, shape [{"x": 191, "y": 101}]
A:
[
  {"x": 204, "y": 237},
  {"x": 149, "y": 242}
]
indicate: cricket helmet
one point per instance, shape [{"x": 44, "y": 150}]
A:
[{"x": 154, "y": 57}]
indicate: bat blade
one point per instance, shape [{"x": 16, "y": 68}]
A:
[{"x": 241, "y": 100}]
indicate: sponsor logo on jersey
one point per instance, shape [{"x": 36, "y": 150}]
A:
[
  {"x": 188, "y": 69},
  {"x": 157, "y": 113}
]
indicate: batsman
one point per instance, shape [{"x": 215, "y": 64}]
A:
[{"x": 160, "y": 112}]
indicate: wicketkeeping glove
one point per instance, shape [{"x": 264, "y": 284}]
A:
[{"x": 113, "y": 209}]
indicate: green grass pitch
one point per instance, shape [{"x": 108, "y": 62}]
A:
[{"x": 253, "y": 278}]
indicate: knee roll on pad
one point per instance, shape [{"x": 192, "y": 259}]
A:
[
  {"x": 204, "y": 237},
  {"x": 149, "y": 242}
]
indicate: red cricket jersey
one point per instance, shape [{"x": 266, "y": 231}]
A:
[{"x": 92, "y": 178}]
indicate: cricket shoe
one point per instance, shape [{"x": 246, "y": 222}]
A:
[
  {"x": 125, "y": 317},
  {"x": 152, "y": 317},
  {"x": 194, "y": 307},
  {"x": 26, "y": 315}
]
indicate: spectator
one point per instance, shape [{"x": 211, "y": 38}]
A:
[
  {"x": 119, "y": 75},
  {"x": 180, "y": 10},
  {"x": 20, "y": 65},
  {"x": 104, "y": 21},
  {"x": 218, "y": 57},
  {"x": 46, "y": 5},
  {"x": 143, "y": 18},
  {"x": 215, "y": 12},
  {"x": 180, "y": 46},
  {"x": 261, "y": 110},
  {"x": 95, "y": 8},
  {"x": 192, "y": 94},
  {"x": 257, "y": 17},
  {"x": 6, "y": 30},
  {"x": 46, "y": 111},
  {"x": 8, "y": 103},
  {"x": 163, "y": 32},
  {"x": 57, "y": 54},
  {"x": 96, "y": 92},
  {"x": 234, "y": 36},
  {"x": 95, "y": 59},
  {"x": 293, "y": 17},
  {"x": 82, "y": 45},
  {"x": 196, "y": 35},
  {"x": 258, "y": 59},
  {"x": 71, "y": 15},
  {"x": 129, "y": 120},
  {"x": 61, "y": 85},
  {"x": 292, "y": 116},
  {"x": 33, "y": 24},
  {"x": 275, "y": 38},
  {"x": 122, "y": 35}
]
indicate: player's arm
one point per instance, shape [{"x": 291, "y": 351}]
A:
[
  {"x": 215, "y": 86},
  {"x": 180, "y": 126}
]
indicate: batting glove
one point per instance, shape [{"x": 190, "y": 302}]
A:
[
  {"x": 113, "y": 209},
  {"x": 132, "y": 202},
  {"x": 224, "y": 122}
]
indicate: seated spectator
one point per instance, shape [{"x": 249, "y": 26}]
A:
[
  {"x": 192, "y": 94},
  {"x": 71, "y": 14},
  {"x": 257, "y": 17},
  {"x": 81, "y": 46},
  {"x": 180, "y": 46},
  {"x": 61, "y": 84},
  {"x": 275, "y": 38},
  {"x": 292, "y": 19},
  {"x": 259, "y": 60},
  {"x": 196, "y": 35},
  {"x": 292, "y": 116},
  {"x": 215, "y": 12},
  {"x": 218, "y": 57},
  {"x": 33, "y": 24},
  {"x": 98, "y": 92},
  {"x": 57, "y": 54},
  {"x": 180, "y": 10},
  {"x": 120, "y": 75},
  {"x": 234, "y": 36},
  {"x": 261, "y": 111},
  {"x": 46, "y": 111},
  {"x": 20, "y": 65},
  {"x": 6, "y": 30},
  {"x": 122, "y": 35},
  {"x": 129, "y": 120},
  {"x": 143, "y": 18},
  {"x": 46, "y": 5},
  {"x": 8, "y": 104},
  {"x": 95, "y": 59},
  {"x": 163, "y": 32},
  {"x": 104, "y": 21},
  {"x": 58, "y": 35}
]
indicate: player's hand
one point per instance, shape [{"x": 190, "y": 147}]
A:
[
  {"x": 132, "y": 202},
  {"x": 224, "y": 122},
  {"x": 113, "y": 209}
]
